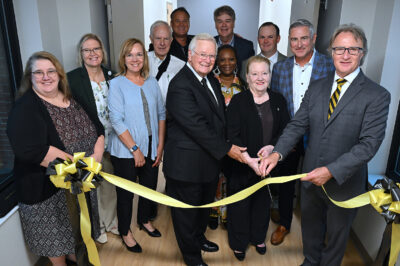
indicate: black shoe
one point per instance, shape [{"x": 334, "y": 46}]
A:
[
  {"x": 155, "y": 233},
  {"x": 261, "y": 250},
  {"x": 136, "y": 248},
  {"x": 239, "y": 255},
  {"x": 199, "y": 264},
  {"x": 213, "y": 223},
  {"x": 209, "y": 246}
]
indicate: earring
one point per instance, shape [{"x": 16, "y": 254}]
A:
[
  {"x": 216, "y": 71},
  {"x": 235, "y": 71}
]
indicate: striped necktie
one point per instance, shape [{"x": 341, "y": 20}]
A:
[{"x": 335, "y": 96}]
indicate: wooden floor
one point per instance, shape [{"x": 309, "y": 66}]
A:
[{"x": 164, "y": 250}]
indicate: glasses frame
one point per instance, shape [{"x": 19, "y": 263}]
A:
[
  {"x": 95, "y": 50},
  {"x": 354, "y": 50},
  {"x": 52, "y": 73},
  {"x": 206, "y": 56}
]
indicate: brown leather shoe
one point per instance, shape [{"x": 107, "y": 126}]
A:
[{"x": 278, "y": 236}]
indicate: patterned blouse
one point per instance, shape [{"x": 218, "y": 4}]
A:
[
  {"x": 100, "y": 93},
  {"x": 227, "y": 91}
]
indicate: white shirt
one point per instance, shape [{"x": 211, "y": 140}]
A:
[
  {"x": 272, "y": 59},
  {"x": 200, "y": 78},
  {"x": 349, "y": 79},
  {"x": 175, "y": 64},
  {"x": 301, "y": 80}
]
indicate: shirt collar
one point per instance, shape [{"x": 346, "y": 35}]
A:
[
  {"x": 231, "y": 43},
  {"x": 194, "y": 72},
  {"x": 350, "y": 77}
]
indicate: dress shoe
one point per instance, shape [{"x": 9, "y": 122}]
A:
[
  {"x": 240, "y": 255},
  {"x": 198, "y": 264},
  {"x": 275, "y": 216},
  {"x": 279, "y": 235},
  {"x": 261, "y": 250},
  {"x": 209, "y": 246},
  {"x": 136, "y": 248},
  {"x": 115, "y": 231},
  {"x": 154, "y": 233}
]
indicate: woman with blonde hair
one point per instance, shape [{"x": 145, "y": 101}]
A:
[
  {"x": 137, "y": 116},
  {"x": 89, "y": 87}
]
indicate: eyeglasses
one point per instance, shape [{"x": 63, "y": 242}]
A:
[
  {"x": 95, "y": 50},
  {"x": 52, "y": 73},
  {"x": 205, "y": 56},
  {"x": 351, "y": 50}
]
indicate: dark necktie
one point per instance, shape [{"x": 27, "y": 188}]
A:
[
  {"x": 335, "y": 96},
  {"x": 204, "y": 83}
]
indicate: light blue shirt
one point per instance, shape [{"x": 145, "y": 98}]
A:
[{"x": 126, "y": 113}]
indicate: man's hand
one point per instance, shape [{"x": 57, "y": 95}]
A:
[
  {"x": 236, "y": 153},
  {"x": 269, "y": 163},
  {"x": 265, "y": 151},
  {"x": 318, "y": 176}
]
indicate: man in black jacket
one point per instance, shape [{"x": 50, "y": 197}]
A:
[
  {"x": 195, "y": 146},
  {"x": 224, "y": 18}
]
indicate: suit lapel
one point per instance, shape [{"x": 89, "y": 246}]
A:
[
  {"x": 351, "y": 92},
  {"x": 200, "y": 89}
]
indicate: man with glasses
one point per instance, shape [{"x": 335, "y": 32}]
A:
[
  {"x": 346, "y": 116},
  {"x": 291, "y": 78},
  {"x": 195, "y": 145}
]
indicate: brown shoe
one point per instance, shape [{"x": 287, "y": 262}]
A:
[{"x": 278, "y": 236}]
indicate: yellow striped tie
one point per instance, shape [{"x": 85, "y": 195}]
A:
[{"x": 335, "y": 96}]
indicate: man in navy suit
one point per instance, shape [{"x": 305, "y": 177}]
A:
[
  {"x": 345, "y": 114},
  {"x": 224, "y": 18},
  {"x": 291, "y": 78},
  {"x": 195, "y": 145}
]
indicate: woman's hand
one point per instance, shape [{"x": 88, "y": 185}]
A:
[
  {"x": 159, "y": 156},
  {"x": 265, "y": 151},
  {"x": 97, "y": 157},
  {"x": 252, "y": 162},
  {"x": 139, "y": 158}
]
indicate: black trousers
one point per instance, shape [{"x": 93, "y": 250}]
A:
[
  {"x": 248, "y": 219},
  {"x": 148, "y": 176},
  {"x": 191, "y": 224},
  {"x": 286, "y": 190},
  {"x": 320, "y": 220}
]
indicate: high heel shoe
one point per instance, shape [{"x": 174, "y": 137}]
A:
[
  {"x": 239, "y": 255},
  {"x": 154, "y": 233},
  {"x": 136, "y": 248}
]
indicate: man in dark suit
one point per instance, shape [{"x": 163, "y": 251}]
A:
[
  {"x": 195, "y": 146},
  {"x": 291, "y": 78},
  {"x": 346, "y": 115},
  {"x": 268, "y": 39},
  {"x": 224, "y": 18}
]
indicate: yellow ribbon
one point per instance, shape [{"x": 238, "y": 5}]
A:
[
  {"x": 59, "y": 181},
  {"x": 376, "y": 198}
]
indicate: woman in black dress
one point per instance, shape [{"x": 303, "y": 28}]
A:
[
  {"x": 255, "y": 119},
  {"x": 44, "y": 124}
]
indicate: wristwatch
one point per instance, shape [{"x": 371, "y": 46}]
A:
[{"x": 134, "y": 148}]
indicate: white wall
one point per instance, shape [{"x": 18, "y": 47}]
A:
[
  {"x": 13, "y": 250},
  {"x": 202, "y": 16},
  {"x": 277, "y": 12}
]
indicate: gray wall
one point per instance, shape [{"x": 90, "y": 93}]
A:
[{"x": 202, "y": 16}]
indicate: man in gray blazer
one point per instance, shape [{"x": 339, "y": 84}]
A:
[
  {"x": 268, "y": 38},
  {"x": 346, "y": 116}
]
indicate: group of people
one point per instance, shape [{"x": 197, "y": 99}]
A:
[{"x": 220, "y": 116}]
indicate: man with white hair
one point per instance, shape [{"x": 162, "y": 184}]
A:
[
  {"x": 195, "y": 145},
  {"x": 163, "y": 65}
]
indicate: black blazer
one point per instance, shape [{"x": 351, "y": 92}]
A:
[
  {"x": 195, "y": 141},
  {"x": 81, "y": 88},
  {"x": 31, "y": 131},
  {"x": 245, "y": 128},
  {"x": 244, "y": 49}
]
